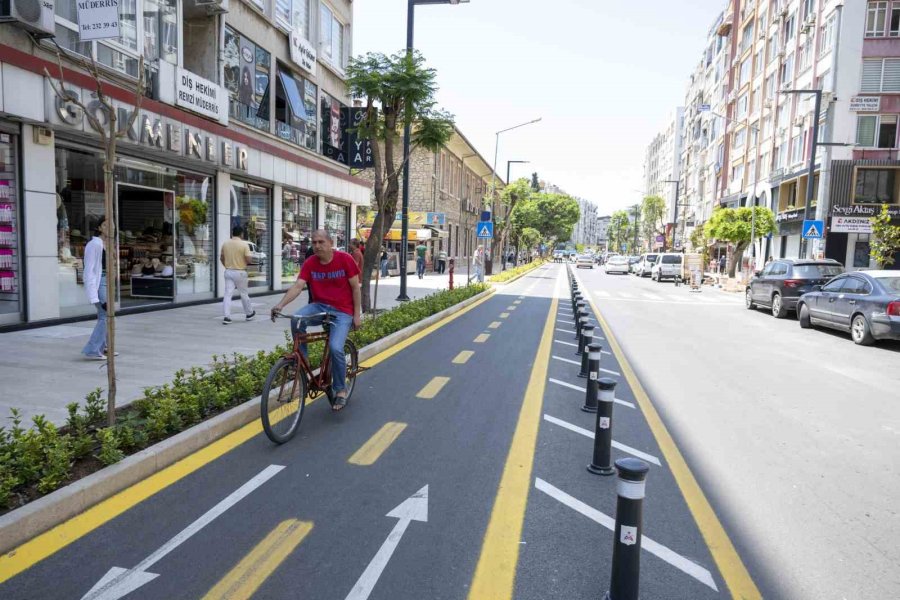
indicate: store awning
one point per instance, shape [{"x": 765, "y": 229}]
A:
[{"x": 396, "y": 234}]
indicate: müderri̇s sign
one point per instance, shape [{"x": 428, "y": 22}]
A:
[{"x": 97, "y": 19}]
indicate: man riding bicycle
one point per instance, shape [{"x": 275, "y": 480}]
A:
[{"x": 333, "y": 278}]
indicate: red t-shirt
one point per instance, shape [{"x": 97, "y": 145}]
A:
[{"x": 330, "y": 283}]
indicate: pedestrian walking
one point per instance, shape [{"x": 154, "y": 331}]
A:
[
  {"x": 478, "y": 263},
  {"x": 420, "y": 260},
  {"x": 384, "y": 262},
  {"x": 512, "y": 258},
  {"x": 442, "y": 261},
  {"x": 722, "y": 263},
  {"x": 356, "y": 253},
  {"x": 235, "y": 256},
  {"x": 95, "y": 288}
]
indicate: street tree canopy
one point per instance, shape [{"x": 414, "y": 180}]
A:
[
  {"x": 514, "y": 193},
  {"x": 619, "y": 230},
  {"x": 886, "y": 242},
  {"x": 552, "y": 215},
  {"x": 734, "y": 225},
  {"x": 653, "y": 218}
]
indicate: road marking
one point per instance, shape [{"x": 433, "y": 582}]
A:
[
  {"x": 376, "y": 445},
  {"x": 681, "y": 563},
  {"x": 584, "y": 391},
  {"x": 434, "y": 386},
  {"x": 495, "y": 573},
  {"x": 568, "y": 360},
  {"x": 564, "y": 321},
  {"x": 732, "y": 568},
  {"x": 50, "y": 542},
  {"x": 517, "y": 302},
  {"x": 245, "y": 578},
  {"x": 566, "y": 343},
  {"x": 590, "y": 434},
  {"x": 463, "y": 357},
  {"x": 494, "y": 325},
  {"x": 482, "y": 338},
  {"x": 564, "y": 330},
  {"x": 119, "y": 582},
  {"x": 414, "y": 508},
  {"x": 511, "y": 307},
  {"x": 503, "y": 315}
]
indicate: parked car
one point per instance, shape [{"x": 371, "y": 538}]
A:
[
  {"x": 632, "y": 263},
  {"x": 646, "y": 264},
  {"x": 617, "y": 264},
  {"x": 780, "y": 285},
  {"x": 865, "y": 303},
  {"x": 257, "y": 258},
  {"x": 584, "y": 260},
  {"x": 667, "y": 266}
]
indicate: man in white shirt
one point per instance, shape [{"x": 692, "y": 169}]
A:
[{"x": 95, "y": 288}]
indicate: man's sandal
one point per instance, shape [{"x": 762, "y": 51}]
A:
[{"x": 339, "y": 403}]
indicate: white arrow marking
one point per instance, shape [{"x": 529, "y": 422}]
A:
[
  {"x": 414, "y": 508},
  {"x": 119, "y": 582}
]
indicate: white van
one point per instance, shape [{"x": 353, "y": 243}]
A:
[{"x": 667, "y": 266}]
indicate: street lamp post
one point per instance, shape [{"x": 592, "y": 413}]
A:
[
  {"x": 404, "y": 210},
  {"x": 810, "y": 177}
]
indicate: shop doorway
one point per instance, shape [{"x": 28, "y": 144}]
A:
[{"x": 146, "y": 250}]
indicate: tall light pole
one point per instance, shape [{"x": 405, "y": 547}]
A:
[
  {"x": 494, "y": 170},
  {"x": 404, "y": 218},
  {"x": 811, "y": 171}
]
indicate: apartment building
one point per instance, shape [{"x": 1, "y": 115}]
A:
[
  {"x": 662, "y": 163},
  {"x": 586, "y": 229},
  {"x": 242, "y": 125},
  {"x": 603, "y": 231}
]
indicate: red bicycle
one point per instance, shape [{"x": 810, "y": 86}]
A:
[{"x": 292, "y": 382}]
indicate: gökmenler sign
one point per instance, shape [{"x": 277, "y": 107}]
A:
[{"x": 97, "y": 19}]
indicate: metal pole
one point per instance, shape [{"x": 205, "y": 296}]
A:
[
  {"x": 675, "y": 224},
  {"x": 404, "y": 218},
  {"x": 626, "y": 560},
  {"x": 811, "y": 173}
]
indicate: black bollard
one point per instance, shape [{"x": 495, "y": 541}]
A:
[
  {"x": 626, "y": 560},
  {"x": 578, "y": 313},
  {"x": 581, "y": 324},
  {"x": 576, "y": 298},
  {"x": 587, "y": 338},
  {"x": 601, "y": 463}
]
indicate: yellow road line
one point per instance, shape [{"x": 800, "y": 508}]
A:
[
  {"x": 517, "y": 302},
  {"x": 496, "y": 571},
  {"x": 482, "y": 338},
  {"x": 503, "y": 315},
  {"x": 732, "y": 568},
  {"x": 511, "y": 307},
  {"x": 372, "y": 450},
  {"x": 463, "y": 357},
  {"x": 54, "y": 540},
  {"x": 494, "y": 325},
  {"x": 433, "y": 387},
  {"x": 245, "y": 578}
]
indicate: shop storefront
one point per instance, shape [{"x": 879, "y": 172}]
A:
[
  {"x": 251, "y": 210},
  {"x": 337, "y": 223},
  {"x": 10, "y": 236},
  {"x": 298, "y": 221}
]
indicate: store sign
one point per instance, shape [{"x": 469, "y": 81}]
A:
[
  {"x": 864, "y": 210},
  {"x": 851, "y": 225},
  {"x": 351, "y": 150},
  {"x": 789, "y": 216},
  {"x": 200, "y": 95},
  {"x": 865, "y": 103},
  {"x": 303, "y": 53},
  {"x": 97, "y": 19}
]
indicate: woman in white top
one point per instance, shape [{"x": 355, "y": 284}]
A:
[{"x": 95, "y": 288}]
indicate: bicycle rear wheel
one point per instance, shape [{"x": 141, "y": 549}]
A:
[{"x": 283, "y": 400}]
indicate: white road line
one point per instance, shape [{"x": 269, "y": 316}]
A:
[
  {"x": 568, "y": 360},
  {"x": 590, "y": 434},
  {"x": 681, "y": 563},
  {"x": 564, "y": 330},
  {"x": 583, "y": 390},
  {"x": 602, "y": 293},
  {"x": 564, "y": 321},
  {"x": 566, "y": 343}
]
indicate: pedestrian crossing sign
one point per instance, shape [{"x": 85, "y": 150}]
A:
[
  {"x": 813, "y": 229},
  {"x": 485, "y": 229}
]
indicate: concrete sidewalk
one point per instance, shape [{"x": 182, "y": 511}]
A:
[{"x": 42, "y": 369}]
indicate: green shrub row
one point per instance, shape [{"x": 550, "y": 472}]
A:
[
  {"x": 511, "y": 273},
  {"x": 37, "y": 460}
]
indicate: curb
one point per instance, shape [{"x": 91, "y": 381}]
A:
[
  {"x": 22, "y": 524},
  {"x": 519, "y": 276}
]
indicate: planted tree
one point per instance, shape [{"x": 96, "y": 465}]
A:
[
  {"x": 653, "y": 218},
  {"x": 887, "y": 239},
  {"x": 398, "y": 90},
  {"x": 552, "y": 215},
  {"x": 619, "y": 230},
  {"x": 734, "y": 225},
  {"x": 511, "y": 195}
]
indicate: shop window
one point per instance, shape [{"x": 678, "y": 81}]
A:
[
  {"x": 337, "y": 224},
  {"x": 247, "y": 68},
  {"x": 298, "y": 221},
  {"x": 331, "y": 37},
  {"x": 10, "y": 267},
  {"x": 875, "y": 186},
  {"x": 876, "y": 131},
  {"x": 331, "y": 122},
  {"x": 295, "y": 109},
  {"x": 251, "y": 210}
]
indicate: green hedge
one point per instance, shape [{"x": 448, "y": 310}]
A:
[
  {"x": 37, "y": 460},
  {"x": 511, "y": 273}
]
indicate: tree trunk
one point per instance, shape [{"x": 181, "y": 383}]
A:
[
  {"x": 112, "y": 272},
  {"x": 736, "y": 255}
]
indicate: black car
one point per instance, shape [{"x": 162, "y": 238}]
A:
[
  {"x": 780, "y": 285},
  {"x": 866, "y": 304}
]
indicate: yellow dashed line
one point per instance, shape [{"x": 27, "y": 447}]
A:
[
  {"x": 377, "y": 444},
  {"x": 511, "y": 307},
  {"x": 503, "y": 315},
  {"x": 463, "y": 357},
  {"x": 482, "y": 338},
  {"x": 494, "y": 325},
  {"x": 434, "y": 386}
]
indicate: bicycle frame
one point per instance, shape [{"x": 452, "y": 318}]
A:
[{"x": 321, "y": 381}]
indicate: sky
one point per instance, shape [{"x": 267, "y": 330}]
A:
[{"x": 603, "y": 75}]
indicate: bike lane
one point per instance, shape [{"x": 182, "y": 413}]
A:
[{"x": 300, "y": 520}]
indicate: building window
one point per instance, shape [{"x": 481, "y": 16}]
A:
[
  {"x": 876, "y": 131},
  {"x": 298, "y": 221},
  {"x": 742, "y": 106},
  {"x": 789, "y": 29},
  {"x": 337, "y": 223},
  {"x": 876, "y": 16},
  {"x": 251, "y": 210},
  {"x": 744, "y": 73},
  {"x": 880, "y": 75},
  {"x": 796, "y": 149},
  {"x": 295, "y": 109},
  {"x": 331, "y": 123},
  {"x": 247, "y": 68},
  {"x": 787, "y": 70},
  {"x": 875, "y": 186},
  {"x": 747, "y": 37},
  {"x": 331, "y": 37},
  {"x": 826, "y": 36},
  {"x": 807, "y": 8},
  {"x": 740, "y": 138}
]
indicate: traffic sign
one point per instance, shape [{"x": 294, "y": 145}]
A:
[
  {"x": 813, "y": 229},
  {"x": 485, "y": 229}
]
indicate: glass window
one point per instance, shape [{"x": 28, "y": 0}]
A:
[
  {"x": 295, "y": 109},
  {"x": 247, "y": 68},
  {"x": 894, "y": 29},
  {"x": 892, "y": 284},
  {"x": 875, "y": 186},
  {"x": 887, "y": 131},
  {"x": 826, "y": 36},
  {"x": 866, "y": 126},
  {"x": 779, "y": 269},
  {"x": 875, "y": 19},
  {"x": 331, "y": 36},
  {"x": 337, "y": 223},
  {"x": 331, "y": 124},
  {"x": 298, "y": 221},
  {"x": 816, "y": 271},
  {"x": 251, "y": 210},
  {"x": 301, "y": 17},
  {"x": 854, "y": 285},
  {"x": 10, "y": 269},
  {"x": 835, "y": 285}
]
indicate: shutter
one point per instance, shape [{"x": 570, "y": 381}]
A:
[
  {"x": 871, "y": 75},
  {"x": 865, "y": 131},
  {"x": 891, "y": 81}
]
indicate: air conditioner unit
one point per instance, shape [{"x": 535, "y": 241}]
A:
[
  {"x": 213, "y": 7},
  {"x": 34, "y": 15}
]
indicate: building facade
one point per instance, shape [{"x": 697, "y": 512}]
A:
[
  {"x": 603, "y": 231},
  {"x": 662, "y": 163},
  {"x": 586, "y": 229},
  {"x": 238, "y": 127}
]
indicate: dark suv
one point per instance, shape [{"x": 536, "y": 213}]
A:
[{"x": 780, "y": 285}]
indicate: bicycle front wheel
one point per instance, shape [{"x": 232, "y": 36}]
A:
[
  {"x": 283, "y": 400},
  {"x": 352, "y": 357}
]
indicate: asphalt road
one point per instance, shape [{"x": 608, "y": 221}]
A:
[
  {"x": 794, "y": 434},
  {"x": 457, "y": 471}
]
